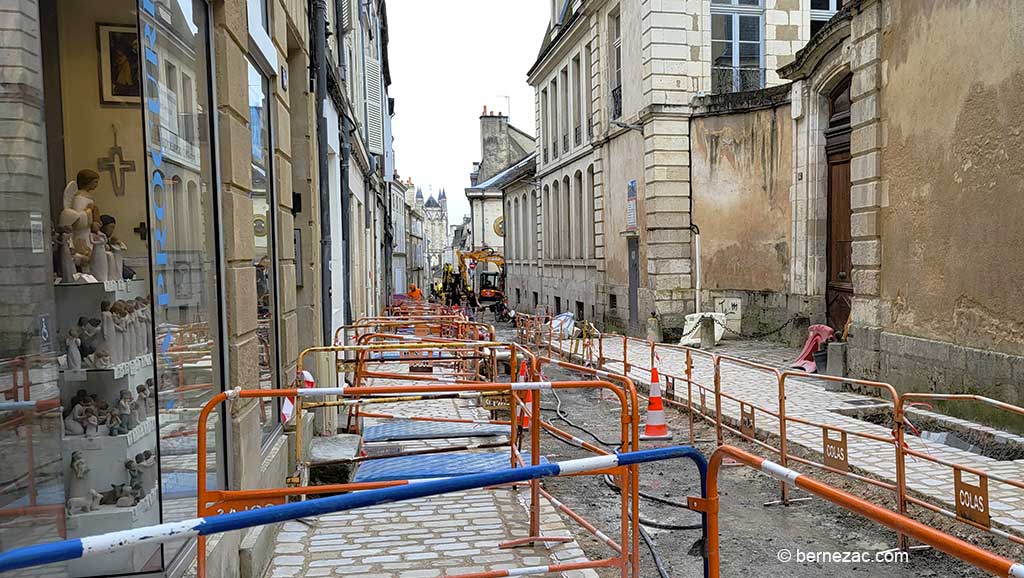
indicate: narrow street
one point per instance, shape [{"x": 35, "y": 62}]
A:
[{"x": 493, "y": 288}]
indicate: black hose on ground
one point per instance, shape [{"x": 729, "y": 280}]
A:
[{"x": 658, "y": 562}]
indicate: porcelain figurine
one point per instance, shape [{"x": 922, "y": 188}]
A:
[
  {"x": 118, "y": 351},
  {"x": 145, "y": 397},
  {"x": 147, "y": 462},
  {"x": 80, "y": 209},
  {"x": 146, "y": 319},
  {"x": 75, "y": 423},
  {"x": 135, "y": 477},
  {"x": 88, "y": 329},
  {"x": 67, "y": 270},
  {"x": 114, "y": 494},
  {"x": 77, "y": 486},
  {"x": 114, "y": 425},
  {"x": 107, "y": 340},
  {"x": 74, "y": 344},
  {"x": 86, "y": 503},
  {"x": 98, "y": 257},
  {"x": 117, "y": 249},
  {"x": 98, "y": 360},
  {"x": 90, "y": 422},
  {"x": 124, "y": 409}
]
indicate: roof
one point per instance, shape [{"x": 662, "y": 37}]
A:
[
  {"x": 507, "y": 174},
  {"x": 419, "y": 193},
  {"x": 566, "y": 18},
  {"x": 432, "y": 203},
  {"x": 442, "y": 195}
]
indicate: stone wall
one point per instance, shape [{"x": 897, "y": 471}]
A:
[{"x": 742, "y": 176}]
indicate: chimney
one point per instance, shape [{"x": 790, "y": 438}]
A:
[
  {"x": 495, "y": 148},
  {"x": 485, "y": 111}
]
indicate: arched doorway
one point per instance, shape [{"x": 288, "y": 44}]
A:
[{"x": 839, "y": 287}]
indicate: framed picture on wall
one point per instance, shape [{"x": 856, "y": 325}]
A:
[{"x": 120, "y": 80}]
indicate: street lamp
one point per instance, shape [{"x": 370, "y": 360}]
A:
[{"x": 637, "y": 127}]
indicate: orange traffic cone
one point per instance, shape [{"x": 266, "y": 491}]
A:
[
  {"x": 527, "y": 400},
  {"x": 655, "y": 428}
]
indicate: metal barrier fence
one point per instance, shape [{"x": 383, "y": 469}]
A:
[
  {"x": 974, "y": 555},
  {"x": 204, "y": 526},
  {"x": 704, "y": 401}
]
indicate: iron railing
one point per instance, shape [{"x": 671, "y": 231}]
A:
[
  {"x": 616, "y": 111},
  {"x": 726, "y": 79}
]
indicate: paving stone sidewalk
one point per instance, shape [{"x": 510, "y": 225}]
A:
[
  {"x": 439, "y": 536},
  {"x": 808, "y": 399}
]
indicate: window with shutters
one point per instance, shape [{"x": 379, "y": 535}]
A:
[{"x": 374, "y": 108}]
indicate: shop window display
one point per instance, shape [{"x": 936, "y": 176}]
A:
[{"x": 109, "y": 341}]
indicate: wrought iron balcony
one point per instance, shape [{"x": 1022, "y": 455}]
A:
[
  {"x": 554, "y": 148},
  {"x": 565, "y": 141},
  {"x": 578, "y": 133},
  {"x": 544, "y": 155},
  {"x": 616, "y": 111},
  {"x": 590, "y": 129},
  {"x": 726, "y": 79}
]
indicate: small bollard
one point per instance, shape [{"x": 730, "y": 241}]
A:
[{"x": 707, "y": 332}]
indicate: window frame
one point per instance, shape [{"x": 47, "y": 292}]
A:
[
  {"x": 734, "y": 12},
  {"x": 270, "y": 435},
  {"x": 824, "y": 15},
  {"x": 260, "y": 44}
]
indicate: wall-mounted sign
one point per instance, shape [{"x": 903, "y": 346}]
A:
[{"x": 631, "y": 206}]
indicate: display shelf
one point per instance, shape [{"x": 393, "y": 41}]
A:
[
  {"x": 115, "y": 290},
  {"x": 111, "y": 519},
  {"x": 105, "y": 454}
]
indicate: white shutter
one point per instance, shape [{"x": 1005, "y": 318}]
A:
[
  {"x": 374, "y": 108},
  {"x": 346, "y": 15}
]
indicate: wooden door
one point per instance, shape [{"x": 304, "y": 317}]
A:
[{"x": 839, "y": 291}]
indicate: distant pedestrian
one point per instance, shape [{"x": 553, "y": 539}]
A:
[{"x": 415, "y": 293}]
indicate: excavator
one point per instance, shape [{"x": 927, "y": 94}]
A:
[{"x": 492, "y": 283}]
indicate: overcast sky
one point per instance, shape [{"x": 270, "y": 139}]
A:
[{"x": 449, "y": 59}]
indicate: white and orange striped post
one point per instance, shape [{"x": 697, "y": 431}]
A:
[{"x": 655, "y": 428}]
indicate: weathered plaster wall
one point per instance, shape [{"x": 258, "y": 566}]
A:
[
  {"x": 742, "y": 168},
  {"x": 953, "y": 262},
  {"x": 742, "y": 175}
]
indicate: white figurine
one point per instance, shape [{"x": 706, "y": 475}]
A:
[
  {"x": 147, "y": 462},
  {"x": 79, "y": 473},
  {"x": 117, "y": 249},
  {"x": 108, "y": 339},
  {"x": 74, "y": 343},
  {"x": 85, "y": 503},
  {"x": 98, "y": 259},
  {"x": 79, "y": 209}
]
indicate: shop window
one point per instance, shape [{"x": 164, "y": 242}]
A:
[
  {"x": 109, "y": 330},
  {"x": 263, "y": 209}
]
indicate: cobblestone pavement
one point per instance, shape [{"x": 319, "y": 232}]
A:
[
  {"x": 438, "y": 536},
  {"x": 807, "y": 399}
]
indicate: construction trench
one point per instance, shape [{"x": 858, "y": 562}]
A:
[{"x": 439, "y": 469}]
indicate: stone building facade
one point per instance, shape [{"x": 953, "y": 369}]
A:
[
  {"x": 614, "y": 84},
  {"x": 860, "y": 196},
  {"x": 502, "y": 148}
]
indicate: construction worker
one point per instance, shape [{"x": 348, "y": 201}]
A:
[{"x": 415, "y": 293}]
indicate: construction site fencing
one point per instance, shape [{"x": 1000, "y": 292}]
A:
[
  {"x": 756, "y": 411},
  {"x": 204, "y": 526}
]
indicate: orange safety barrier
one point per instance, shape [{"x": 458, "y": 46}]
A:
[
  {"x": 978, "y": 557},
  {"x": 219, "y": 501},
  {"x": 836, "y": 441},
  {"x": 972, "y": 501}
]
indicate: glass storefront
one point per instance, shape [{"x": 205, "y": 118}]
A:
[
  {"x": 110, "y": 329},
  {"x": 263, "y": 201}
]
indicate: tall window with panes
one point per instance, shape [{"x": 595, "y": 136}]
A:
[
  {"x": 737, "y": 47},
  {"x": 615, "y": 28},
  {"x": 821, "y": 12}
]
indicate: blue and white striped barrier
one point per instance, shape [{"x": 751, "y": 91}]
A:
[{"x": 111, "y": 542}]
